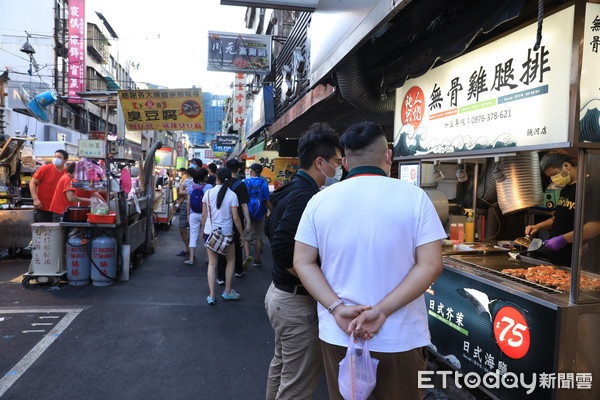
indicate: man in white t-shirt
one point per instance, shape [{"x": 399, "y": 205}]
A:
[{"x": 378, "y": 241}]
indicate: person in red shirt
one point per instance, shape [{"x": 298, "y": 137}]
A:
[
  {"x": 64, "y": 195},
  {"x": 44, "y": 182}
]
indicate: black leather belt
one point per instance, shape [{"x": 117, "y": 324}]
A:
[{"x": 296, "y": 289}]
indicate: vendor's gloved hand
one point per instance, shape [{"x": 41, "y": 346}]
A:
[{"x": 556, "y": 243}]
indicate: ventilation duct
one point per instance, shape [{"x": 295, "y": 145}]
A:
[
  {"x": 355, "y": 88},
  {"x": 523, "y": 185}
]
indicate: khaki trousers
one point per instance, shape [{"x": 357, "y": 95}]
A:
[
  {"x": 397, "y": 376},
  {"x": 297, "y": 363}
]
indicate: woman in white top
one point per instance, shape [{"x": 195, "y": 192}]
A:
[
  {"x": 219, "y": 210},
  {"x": 195, "y": 217}
]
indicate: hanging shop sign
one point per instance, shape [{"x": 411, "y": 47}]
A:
[
  {"x": 164, "y": 157},
  {"x": 221, "y": 149},
  {"x": 267, "y": 160},
  {"x": 227, "y": 140},
  {"x": 254, "y": 150},
  {"x": 181, "y": 162},
  {"x": 91, "y": 148},
  {"x": 284, "y": 170},
  {"x": 77, "y": 49},
  {"x": 239, "y": 101},
  {"x": 236, "y": 52},
  {"x": 261, "y": 113},
  {"x": 503, "y": 95},
  {"x": 589, "y": 88},
  {"x": 163, "y": 109}
]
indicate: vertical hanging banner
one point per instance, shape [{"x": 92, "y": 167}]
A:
[
  {"x": 77, "y": 30},
  {"x": 589, "y": 87},
  {"x": 163, "y": 109},
  {"x": 239, "y": 101},
  {"x": 503, "y": 95}
]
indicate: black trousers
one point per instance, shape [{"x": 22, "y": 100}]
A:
[
  {"x": 222, "y": 264},
  {"x": 42, "y": 216}
]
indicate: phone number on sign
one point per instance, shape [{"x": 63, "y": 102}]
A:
[{"x": 490, "y": 116}]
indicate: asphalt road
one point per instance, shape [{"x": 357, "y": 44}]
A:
[{"x": 153, "y": 337}]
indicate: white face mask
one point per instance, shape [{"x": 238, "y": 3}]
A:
[
  {"x": 330, "y": 180},
  {"x": 57, "y": 161}
]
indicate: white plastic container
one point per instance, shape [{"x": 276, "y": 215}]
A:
[{"x": 48, "y": 249}]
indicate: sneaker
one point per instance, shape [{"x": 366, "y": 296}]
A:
[
  {"x": 232, "y": 295},
  {"x": 220, "y": 282},
  {"x": 257, "y": 264},
  {"x": 240, "y": 274},
  {"x": 247, "y": 262},
  {"x": 210, "y": 300},
  {"x": 188, "y": 262}
]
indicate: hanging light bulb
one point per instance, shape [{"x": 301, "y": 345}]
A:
[
  {"x": 498, "y": 171},
  {"x": 461, "y": 174},
  {"x": 437, "y": 173}
]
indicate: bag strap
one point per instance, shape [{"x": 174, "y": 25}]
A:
[{"x": 209, "y": 212}]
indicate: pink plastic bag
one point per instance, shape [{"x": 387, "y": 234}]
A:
[{"x": 358, "y": 372}]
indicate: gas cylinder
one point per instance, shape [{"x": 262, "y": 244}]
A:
[
  {"x": 78, "y": 260},
  {"x": 104, "y": 255}
]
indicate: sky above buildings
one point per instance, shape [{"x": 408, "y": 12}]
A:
[{"x": 169, "y": 39}]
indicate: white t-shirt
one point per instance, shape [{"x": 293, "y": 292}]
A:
[
  {"x": 221, "y": 217},
  {"x": 366, "y": 229}
]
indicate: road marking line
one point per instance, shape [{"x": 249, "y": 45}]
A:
[
  {"x": 33, "y": 331},
  {"x": 21, "y": 367},
  {"x": 51, "y": 316},
  {"x": 42, "y": 324}
]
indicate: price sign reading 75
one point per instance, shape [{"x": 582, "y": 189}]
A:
[{"x": 511, "y": 332}]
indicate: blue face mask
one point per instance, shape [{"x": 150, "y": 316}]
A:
[{"x": 193, "y": 166}]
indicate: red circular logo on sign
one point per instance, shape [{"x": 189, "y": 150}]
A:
[
  {"x": 413, "y": 174},
  {"x": 413, "y": 107},
  {"x": 511, "y": 332}
]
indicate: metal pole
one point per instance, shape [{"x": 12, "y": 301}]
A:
[
  {"x": 475, "y": 181},
  {"x": 578, "y": 225}
]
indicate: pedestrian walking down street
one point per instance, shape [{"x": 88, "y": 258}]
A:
[
  {"x": 370, "y": 280},
  {"x": 258, "y": 204},
  {"x": 183, "y": 214},
  {"x": 219, "y": 211},
  {"x": 297, "y": 362},
  {"x": 195, "y": 194},
  {"x": 241, "y": 191}
]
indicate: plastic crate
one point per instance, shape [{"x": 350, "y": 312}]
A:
[{"x": 102, "y": 219}]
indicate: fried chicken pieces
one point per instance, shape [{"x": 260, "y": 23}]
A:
[{"x": 548, "y": 275}]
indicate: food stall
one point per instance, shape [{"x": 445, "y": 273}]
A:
[
  {"x": 166, "y": 192},
  {"x": 16, "y": 205},
  {"x": 471, "y": 133}
]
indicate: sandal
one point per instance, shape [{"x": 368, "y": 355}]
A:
[{"x": 182, "y": 253}]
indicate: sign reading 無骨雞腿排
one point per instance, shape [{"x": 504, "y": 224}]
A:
[
  {"x": 163, "y": 109},
  {"x": 589, "y": 92},
  {"x": 502, "y": 95}
]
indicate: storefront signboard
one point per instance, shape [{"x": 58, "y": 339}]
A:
[
  {"x": 91, "y": 148},
  {"x": 502, "y": 95},
  {"x": 77, "y": 49},
  {"x": 237, "y": 52},
  {"x": 239, "y": 101},
  {"x": 261, "y": 113},
  {"x": 480, "y": 329},
  {"x": 589, "y": 88},
  {"x": 162, "y": 109},
  {"x": 284, "y": 170}
]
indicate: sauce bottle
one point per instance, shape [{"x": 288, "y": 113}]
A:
[{"x": 469, "y": 226}]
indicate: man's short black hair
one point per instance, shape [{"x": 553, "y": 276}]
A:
[
  {"x": 182, "y": 170},
  {"x": 64, "y": 153},
  {"x": 212, "y": 167},
  {"x": 320, "y": 140},
  {"x": 233, "y": 165},
  {"x": 197, "y": 161},
  {"x": 361, "y": 135},
  {"x": 71, "y": 168}
]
